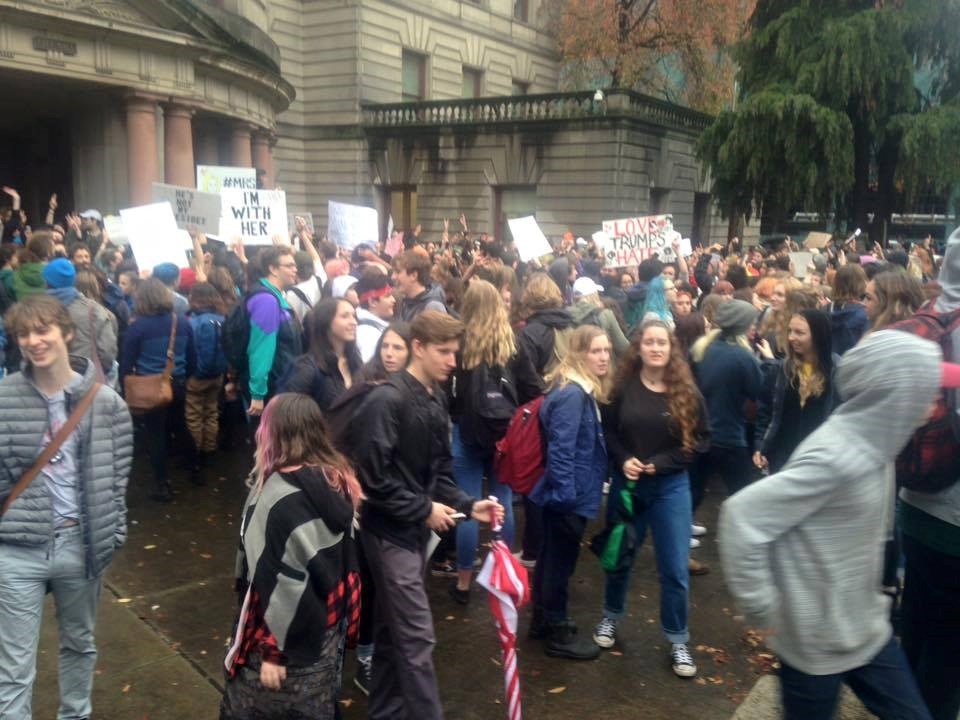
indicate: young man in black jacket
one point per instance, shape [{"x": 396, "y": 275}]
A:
[{"x": 402, "y": 438}]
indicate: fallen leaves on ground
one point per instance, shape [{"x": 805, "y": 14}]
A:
[{"x": 557, "y": 690}]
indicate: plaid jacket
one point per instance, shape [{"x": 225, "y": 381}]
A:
[{"x": 931, "y": 460}]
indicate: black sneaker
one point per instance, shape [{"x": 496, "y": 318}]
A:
[
  {"x": 563, "y": 642},
  {"x": 462, "y": 597},
  {"x": 443, "y": 568},
  {"x": 538, "y": 625},
  {"x": 364, "y": 677}
]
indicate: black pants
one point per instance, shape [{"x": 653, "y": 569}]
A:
[
  {"x": 532, "y": 528},
  {"x": 155, "y": 429},
  {"x": 734, "y": 465},
  {"x": 562, "y": 534},
  {"x": 404, "y": 683},
  {"x": 368, "y": 596},
  {"x": 931, "y": 626}
]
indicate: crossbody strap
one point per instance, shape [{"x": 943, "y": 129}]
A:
[
  {"x": 168, "y": 368},
  {"x": 52, "y": 447}
]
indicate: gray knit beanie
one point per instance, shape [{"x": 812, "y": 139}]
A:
[{"x": 735, "y": 317}]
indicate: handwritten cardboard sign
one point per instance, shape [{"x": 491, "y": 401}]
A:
[
  {"x": 154, "y": 236},
  {"x": 529, "y": 238},
  {"x": 191, "y": 207},
  {"x": 630, "y": 241},
  {"x": 352, "y": 225},
  {"x": 255, "y": 216},
  {"x": 214, "y": 178}
]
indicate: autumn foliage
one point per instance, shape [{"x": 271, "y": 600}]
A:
[{"x": 674, "y": 48}]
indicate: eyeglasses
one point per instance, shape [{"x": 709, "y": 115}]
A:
[{"x": 288, "y": 265}]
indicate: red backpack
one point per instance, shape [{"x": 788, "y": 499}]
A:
[{"x": 519, "y": 461}]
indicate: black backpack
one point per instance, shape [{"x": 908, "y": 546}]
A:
[
  {"x": 489, "y": 404},
  {"x": 236, "y": 334},
  {"x": 339, "y": 416}
]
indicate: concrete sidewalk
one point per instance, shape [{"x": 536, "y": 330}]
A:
[{"x": 139, "y": 674}]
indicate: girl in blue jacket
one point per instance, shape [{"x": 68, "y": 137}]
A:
[{"x": 572, "y": 485}]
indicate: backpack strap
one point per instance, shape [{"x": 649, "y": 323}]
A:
[{"x": 302, "y": 295}]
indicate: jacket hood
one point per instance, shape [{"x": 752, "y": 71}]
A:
[
  {"x": 31, "y": 275},
  {"x": 560, "y": 273},
  {"x": 638, "y": 293},
  {"x": 87, "y": 370},
  {"x": 556, "y": 318},
  {"x": 949, "y": 277},
  {"x": 335, "y": 510},
  {"x": 582, "y": 309},
  {"x": 886, "y": 384},
  {"x": 434, "y": 292},
  {"x": 846, "y": 312}
]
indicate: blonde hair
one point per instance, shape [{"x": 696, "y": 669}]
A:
[
  {"x": 573, "y": 366},
  {"x": 541, "y": 293},
  {"x": 488, "y": 337}
]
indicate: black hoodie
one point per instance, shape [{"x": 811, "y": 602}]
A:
[{"x": 537, "y": 336}]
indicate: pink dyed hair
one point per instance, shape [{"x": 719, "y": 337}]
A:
[{"x": 292, "y": 432}]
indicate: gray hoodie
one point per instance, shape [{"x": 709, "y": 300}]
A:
[{"x": 802, "y": 550}]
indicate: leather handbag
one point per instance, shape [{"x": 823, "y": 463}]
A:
[
  {"x": 144, "y": 393},
  {"x": 52, "y": 447}
]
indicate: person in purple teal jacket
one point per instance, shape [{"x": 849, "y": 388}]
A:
[{"x": 275, "y": 335}]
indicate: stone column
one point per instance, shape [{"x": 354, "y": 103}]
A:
[
  {"x": 240, "y": 154},
  {"x": 143, "y": 165},
  {"x": 178, "y": 146},
  {"x": 263, "y": 157},
  {"x": 208, "y": 144}
]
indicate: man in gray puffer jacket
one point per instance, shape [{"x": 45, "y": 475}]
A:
[{"x": 60, "y": 534}]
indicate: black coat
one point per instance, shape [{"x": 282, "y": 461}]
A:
[
  {"x": 401, "y": 438},
  {"x": 536, "y": 338},
  {"x": 307, "y": 376}
]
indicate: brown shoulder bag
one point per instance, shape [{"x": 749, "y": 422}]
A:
[{"x": 144, "y": 393}]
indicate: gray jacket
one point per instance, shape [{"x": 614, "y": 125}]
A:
[
  {"x": 802, "y": 550},
  {"x": 93, "y": 322},
  {"x": 105, "y": 456}
]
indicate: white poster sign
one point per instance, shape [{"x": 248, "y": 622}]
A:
[
  {"x": 800, "y": 261},
  {"x": 352, "y": 225},
  {"x": 154, "y": 236},
  {"x": 255, "y": 216},
  {"x": 632, "y": 240},
  {"x": 113, "y": 226},
  {"x": 214, "y": 178},
  {"x": 191, "y": 207},
  {"x": 529, "y": 238}
]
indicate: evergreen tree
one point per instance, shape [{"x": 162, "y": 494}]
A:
[{"x": 843, "y": 107}]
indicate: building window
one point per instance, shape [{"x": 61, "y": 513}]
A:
[
  {"x": 472, "y": 82},
  {"x": 400, "y": 203},
  {"x": 414, "y": 76},
  {"x": 521, "y": 10},
  {"x": 519, "y": 87},
  {"x": 512, "y": 202}
]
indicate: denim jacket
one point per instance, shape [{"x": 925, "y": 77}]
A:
[{"x": 576, "y": 466}]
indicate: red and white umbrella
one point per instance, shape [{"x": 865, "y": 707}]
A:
[{"x": 506, "y": 580}]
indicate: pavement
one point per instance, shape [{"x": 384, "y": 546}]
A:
[{"x": 168, "y": 606}]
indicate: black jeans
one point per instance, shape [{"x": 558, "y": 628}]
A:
[
  {"x": 931, "y": 625},
  {"x": 884, "y": 685},
  {"x": 532, "y": 528},
  {"x": 562, "y": 533},
  {"x": 155, "y": 429},
  {"x": 734, "y": 465}
]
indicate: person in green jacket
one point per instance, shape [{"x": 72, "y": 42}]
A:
[
  {"x": 588, "y": 309},
  {"x": 28, "y": 277}
]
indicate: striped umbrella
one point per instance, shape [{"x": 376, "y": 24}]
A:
[{"x": 506, "y": 580}]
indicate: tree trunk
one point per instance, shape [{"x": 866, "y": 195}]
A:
[
  {"x": 858, "y": 203},
  {"x": 886, "y": 181}
]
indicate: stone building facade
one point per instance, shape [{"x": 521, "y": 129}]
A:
[{"x": 423, "y": 108}]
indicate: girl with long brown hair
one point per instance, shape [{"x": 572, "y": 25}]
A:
[
  {"x": 655, "y": 425},
  {"x": 296, "y": 554}
]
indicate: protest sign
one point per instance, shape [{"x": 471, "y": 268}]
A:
[
  {"x": 214, "y": 178},
  {"x": 154, "y": 236},
  {"x": 817, "y": 240},
  {"x": 113, "y": 227},
  {"x": 800, "y": 261},
  {"x": 529, "y": 238},
  {"x": 191, "y": 207},
  {"x": 307, "y": 220},
  {"x": 352, "y": 225},
  {"x": 394, "y": 244},
  {"x": 686, "y": 247},
  {"x": 632, "y": 240},
  {"x": 255, "y": 216}
]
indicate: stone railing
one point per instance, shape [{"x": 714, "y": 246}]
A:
[{"x": 533, "y": 108}]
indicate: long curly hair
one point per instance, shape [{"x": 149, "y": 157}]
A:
[
  {"x": 489, "y": 337},
  {"x": 683, "y": 397}
]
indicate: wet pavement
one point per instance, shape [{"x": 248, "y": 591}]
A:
[{"x": 168, "y": 606}]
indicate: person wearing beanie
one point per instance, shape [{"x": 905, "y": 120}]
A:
[
  {"x": 729, "y": 375},
  {"x": 95, "y": 334},
  {"x": 343, "y": 287},
  {"x": 169, "y": 275}
]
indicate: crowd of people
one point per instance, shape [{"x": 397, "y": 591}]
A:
[{"x": 370, "y": 393}]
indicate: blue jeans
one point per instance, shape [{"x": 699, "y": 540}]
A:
[
  {"x": 663, "y": 503},
  {"x": 27, "y": 572},
  {"x": 884, "y": 685},
  {"x": 470, "y": 466}
]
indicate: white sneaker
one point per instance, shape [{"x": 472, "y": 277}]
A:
[
  {"x": 605, "y": 634},
  {"x": 698, "y": 530},
  {"x": 682, "y": 662},
  {"x": 694, "y": 543}
]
